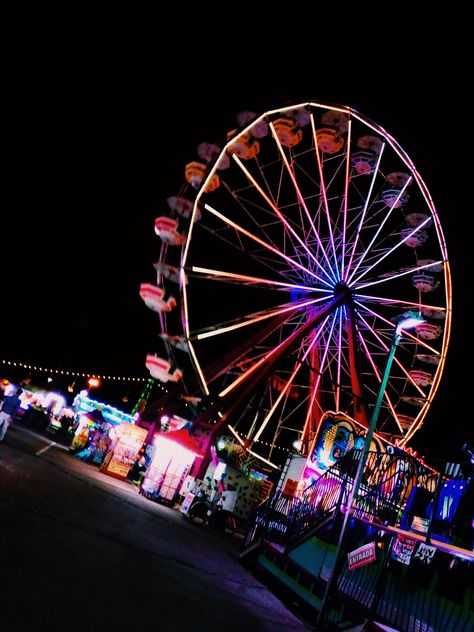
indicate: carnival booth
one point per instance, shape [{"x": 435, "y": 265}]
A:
[
  {"x": 86, "y": 429},
  {"x": 126, "y": 442},
  {"x": 173, "y": 457}
]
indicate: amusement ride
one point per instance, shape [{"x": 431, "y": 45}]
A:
[{"x": 285, "y": 262}]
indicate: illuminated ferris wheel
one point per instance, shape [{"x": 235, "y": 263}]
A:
[{"x": 286, "y": 262}]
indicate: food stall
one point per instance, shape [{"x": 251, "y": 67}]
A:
[
  {"x": 126, "y": 441},
  {"x": 174, "y": 455}
]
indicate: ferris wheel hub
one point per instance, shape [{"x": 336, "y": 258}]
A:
[{"x": 341, "y": 289}]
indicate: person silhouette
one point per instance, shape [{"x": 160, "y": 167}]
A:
[{"x": 10, "y": 406}]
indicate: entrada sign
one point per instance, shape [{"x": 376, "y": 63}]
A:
[{"x": 361, "y": 556}]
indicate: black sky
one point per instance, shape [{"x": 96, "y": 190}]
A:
[{"x": 95, "y": 145}]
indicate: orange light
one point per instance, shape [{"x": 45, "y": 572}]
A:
[{"x": 93, "y": 382}]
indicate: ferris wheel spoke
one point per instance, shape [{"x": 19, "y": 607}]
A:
[
  {"x": 270, "y": 248},
  {"x": 318, "y": 379},
  {"x": 391, "y": 250},
  {"x": 377, "y": 233},
  {"x": 346, "y": 195},
  {"x": 379, "y": 378},
  {"x": 364, "y": 211},
  {"x": 390, "y": 277},
  {"x": 216, "y": 275},
  {"x": 396, "y": 360},
  {"x": 398, "y": 301},
  {"x": 302, "y": 201},
  {"x": 284, "y": 344},
  {"x": 324, "y": 194},
  {"x": 251, "y": 319},
  {"x": 406, "y": 332},
  {"x": 282, "y": 218},
  {"x": 244, "y": 203},
  {"x": 289, "y": 382},
  {"x": 339, "y": 360}
]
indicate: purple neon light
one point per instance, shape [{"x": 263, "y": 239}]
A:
[
  {"x": 279, "y": 215},
  {"x": 346, "y": 193},
  {"x": 396, "y": 276},
  {"x": 302, "y": 202},
  {"x": 366, "y": 206},
  {"x": 389, "y": 252},
  {"x": 362, "y": 257},
  {"x": 339, "y": 357},
  {"x": 398, "y": 301},
  {"x": 377, "y": 374},
  {"x": 387, "y": 348},
  {"x": 406, "y": 333},
  {"x": 289, "y": 382},
  {"x": 289, "y": 260},
  {"x": 321, "y": 366},
  {"x": 323, "y": 191}
]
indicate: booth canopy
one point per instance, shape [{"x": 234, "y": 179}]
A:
[{"x": 184, "y": 439}]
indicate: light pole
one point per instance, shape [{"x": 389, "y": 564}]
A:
[{"x": 407, "y": 321}]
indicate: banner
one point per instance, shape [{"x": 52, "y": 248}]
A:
[
  {"x": 402, "y": 549},
  {"x": 361, "y": 556}
]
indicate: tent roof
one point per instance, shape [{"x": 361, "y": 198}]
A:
[{"x": 183, "y": 438}]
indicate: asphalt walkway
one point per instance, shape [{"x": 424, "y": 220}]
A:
[{"x": 81, "y": 551}]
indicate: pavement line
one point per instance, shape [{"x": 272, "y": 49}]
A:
[{"x": 45, "y": 448}]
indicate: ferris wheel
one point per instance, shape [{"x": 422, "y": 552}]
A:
[{"x": 287, "y": 260}]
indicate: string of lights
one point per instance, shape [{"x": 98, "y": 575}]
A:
[
  {"x": 32, "y": 367},
  {"x": 241, "y": 437},
  {"x": 146, "y": 392}
]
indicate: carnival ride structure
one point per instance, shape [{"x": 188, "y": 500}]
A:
[{"x": 292, "y": 250}]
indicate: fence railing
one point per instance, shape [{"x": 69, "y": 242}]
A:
[{"x": 386, "y": 485}]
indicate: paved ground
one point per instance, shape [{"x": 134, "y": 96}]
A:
[{"x": 81, "y": 551}]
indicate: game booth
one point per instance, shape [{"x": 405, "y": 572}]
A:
[
  {"x": 126, "y": 442},
  {"x": 173, "y": 456}
]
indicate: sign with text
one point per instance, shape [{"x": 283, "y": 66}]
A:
[
  {"x": 402, "y": 549},
  {"x": 361, "y": 556},
  {"x": 425, "y": 553},
  {"x": 118, "y": 467}
]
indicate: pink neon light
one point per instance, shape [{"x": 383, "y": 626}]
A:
[
  {"x": 289, "y": 382},
  {"x": 250, "y": 279},
  {"x": 377, "y": 374},
  {"x": 302, "y": 201},
  {"x": 366, "y": 206},
  {"x": 396, "y": 276},
  {"x": 280, "y": 216},
  {"x": 447, "y": 274},
  {"x": 346, "y": 193},
  {"x": 339, "y": 357},
  {"x": 250, "y": 370},
  {"x": 380, "y": 299},
  {"x": 323, "y": 190},
  {"x": 293, "y": 307},
  {"x": 362, "y": 257},
  {"x": 316, "y": 384},
  {"x": 292, "y": 262},
  {"x": 405, "y": 333},
  {"x": 397, "y": 361},
  {"x": 389, "y": 252}
]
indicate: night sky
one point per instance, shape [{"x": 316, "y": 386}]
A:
[{"x": 93, "y": 149}]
